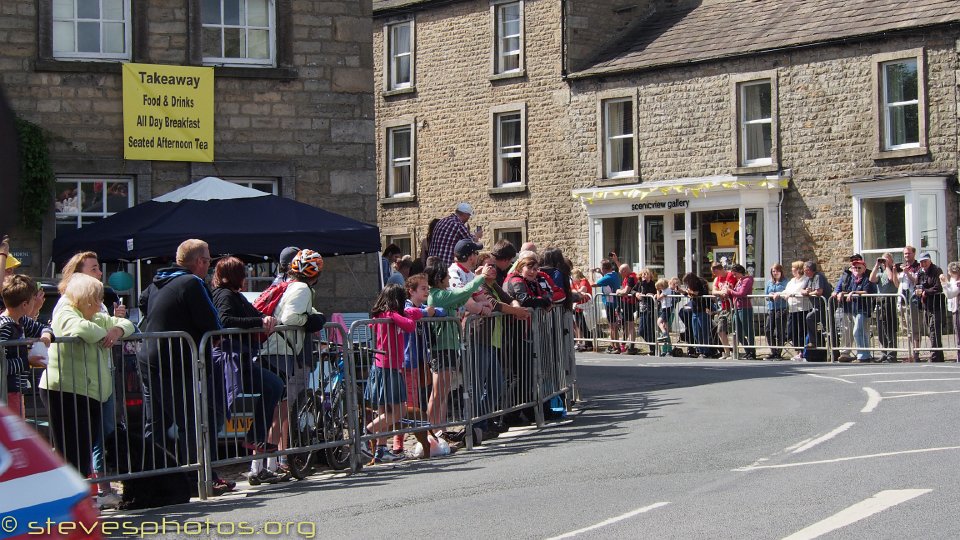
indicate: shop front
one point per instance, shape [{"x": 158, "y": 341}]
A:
[{"x": 685, "y": 225}]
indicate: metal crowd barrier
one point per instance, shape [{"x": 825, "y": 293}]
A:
[{"x": 116, "y": 416}]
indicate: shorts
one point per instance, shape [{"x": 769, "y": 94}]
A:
[
  {"x": 443, "y": 360},
  {"x": 385, "y": 386},
  {"x": 722, "y": 320},
  {"x": 613, "y": 314},
  {"x": 628, "y": 311},
  {"x": 665, "y": 315},
  {"x": 294, "y": 378}
]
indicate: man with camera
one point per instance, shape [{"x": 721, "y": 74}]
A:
[
  {"x": 932, "y": 303},
  {"x": 884, "y": 276}
]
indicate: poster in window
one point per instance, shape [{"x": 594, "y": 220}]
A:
[{"x": 725, "y": 256}]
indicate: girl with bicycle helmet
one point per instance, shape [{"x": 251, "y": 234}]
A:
[{"x": 288, "y": 353}]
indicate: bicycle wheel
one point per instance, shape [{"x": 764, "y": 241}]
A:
[
  {"x": 336, "y": 428},
  {"x": 304, "y": 424}
]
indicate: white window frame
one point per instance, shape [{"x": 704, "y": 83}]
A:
[
  {"x": 888, "y": 107},
  {"x": 608, "y": 137},
  {"x": 391, "y": 56},
  {"x": 394, "y": 162},
  {"x": 74, "y": 54},
  {"x": 911, "y": 189},
  {"x": 503, "y": 153},
  {"x": 882, "y": 148},
  {"x": 253, "y": 183},
  {"x": 500, "y": 54},
  {"x": 80, "y": 213},
  {"x": 271, "y": 28},
  {"x": 745, "y": 123}
]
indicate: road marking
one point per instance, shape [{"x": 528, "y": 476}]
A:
[
  {"x": 863, "y": 509},
  {"x": 920, "y": 380},
  {"x": 832, "y": 378},
  {"x": 900, "y": 373},
  {"x": 873, "y": 399},
  {"x": 850, "y": 458},
  {"x": 824, "y": 438},
  {"x": 913, "y": 394},
  {"x": 611, "y": 520}
]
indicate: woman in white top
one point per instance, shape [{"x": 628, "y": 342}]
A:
[
  {"x": 951, "y": 287},
  {"x": 793, "y": 291}
]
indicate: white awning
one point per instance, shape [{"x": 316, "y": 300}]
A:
[{"x": 210, "y": 188}]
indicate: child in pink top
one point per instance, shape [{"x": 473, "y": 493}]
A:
[{"x": 386, "y": 389}]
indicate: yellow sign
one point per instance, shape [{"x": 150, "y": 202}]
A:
[{"x": 167, "y": 112}]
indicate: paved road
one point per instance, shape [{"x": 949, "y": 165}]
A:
[{"x": 667, "y": 449}]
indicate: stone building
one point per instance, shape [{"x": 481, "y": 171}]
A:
[
  {"x": 293, "y": 109},
  {"x": 674, "y": 132}
]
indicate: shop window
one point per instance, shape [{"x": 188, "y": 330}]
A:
[
  {"x": 509, "y": 136},
  {"x": 653, "y": 243},
  {"x": 82, "y": 201},
  {"x": 882, "y": 225},
  {"x": 753, "y": 243},
  {"x": 719, "y": 239},
  {"x": 618, "y": 146},
  {"x": 91, "y": 29},
  {"x": 508, "y": 38},
  {"x": 400, "y": 55},
  {"x": 238, "y": 32},
  {"x": 621, "y": 235}
]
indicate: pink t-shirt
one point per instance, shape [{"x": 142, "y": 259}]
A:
[{"x": 390, "y": 336}]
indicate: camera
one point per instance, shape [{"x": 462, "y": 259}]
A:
[
  {"x": 881, "y": 261},
  {"x": 898, "y": 267},
  {"x": 612, "y": 254}
]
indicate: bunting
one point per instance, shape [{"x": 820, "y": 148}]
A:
[{"x": 694, "y": 190}]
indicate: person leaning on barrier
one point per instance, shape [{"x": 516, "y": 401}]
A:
[
  {"x": 743, "y": 310},
  {"x": 884, "y": 275},
  {"x": 78, "y": 379},
  {"x": 843, "y": 311},
  {"x": 236, "y": 352},
  {"x": 776, "y": 325},
  {"x": 723, "y": 280},
  {"x": 700, "y": 304},
  {"x": 608, "y": 283},
  {"x": 930, "y": 293},
  {"x": 178, "y": 300},
  {"x": 908, "y": 273},
  {"x": 797, "y": 307},
  {"x": 17, "y": 321},
  {"x": 861, "y": 308},
  {"x": 951, "y": 289},
  {"x": 817, "y": 317}
]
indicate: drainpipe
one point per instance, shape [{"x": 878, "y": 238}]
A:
[{"x": 563, "y": 40}]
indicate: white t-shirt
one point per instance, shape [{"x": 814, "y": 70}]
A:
[{"x": 459, "y": 276}]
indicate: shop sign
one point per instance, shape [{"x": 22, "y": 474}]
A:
[
  {"x": 660, "y": 205},
  {"x": 25, "y": 257},
  {"x": 167, "y": 113}
]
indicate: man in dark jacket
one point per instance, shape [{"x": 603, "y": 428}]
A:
[
  {"x": 178, "y": 300},
  {"x": 932, "y": 303}
]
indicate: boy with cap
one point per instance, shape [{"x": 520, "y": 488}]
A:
[{"x": 286, "y": 256}]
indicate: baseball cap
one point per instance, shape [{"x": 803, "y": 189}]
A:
[
  {"x": 925, "y": 257},
  {"x": 12, "y": 262},
  {"x": 856, "y": 257},
  {"x": 465, "y": 208},
  {"x": 287, "y": 255},
  {"x": 465, "y": 248}
]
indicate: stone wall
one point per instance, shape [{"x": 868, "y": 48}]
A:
[{"x": 308, "y": 123}]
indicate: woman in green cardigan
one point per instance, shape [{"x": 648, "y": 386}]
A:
[{"x": 78, "y": 379}]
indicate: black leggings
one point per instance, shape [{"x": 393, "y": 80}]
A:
[{"x": 75, "y": 420}]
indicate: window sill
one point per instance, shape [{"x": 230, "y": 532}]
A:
[
  {"x": 398, "y": 200},
  {"x": 501, "y": 190},
  {"x": 757, "y": 169},
  {"x": 494, "y": 77},
  {"x": 93, "y": 65},
  {"x": 399, "y": 92},
  {"x": 618, "y": 181},
  {"x": 236, "y": 72},
  {"x": 905, "y": 152}
]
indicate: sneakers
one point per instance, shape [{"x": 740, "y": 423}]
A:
[
  {"x": 613, "y": 350},
  {"x": 265, "y": 476},
  {"x": 109, "y": 500},
  {"x": 221, "y": 486},
  {"x": 383, "y": 455},
  {"x": 454, "y": 436}
]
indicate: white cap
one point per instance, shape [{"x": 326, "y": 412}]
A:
[{"x": 465, "y": 208}]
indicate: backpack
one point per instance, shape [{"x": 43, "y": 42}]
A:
[{"x": 267, "y": 302}]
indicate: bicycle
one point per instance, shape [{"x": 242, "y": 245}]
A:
[{"x": 320, "y": 416}]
